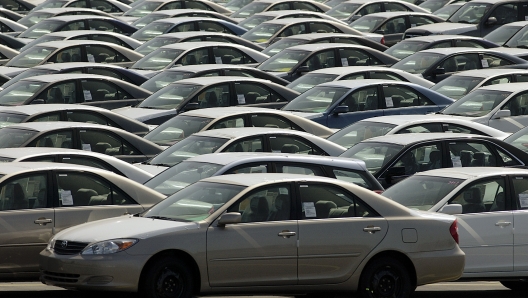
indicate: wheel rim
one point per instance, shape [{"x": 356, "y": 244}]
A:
[
  {"x": 169, "y": 283},
  {"x": 386, "y": 282}
]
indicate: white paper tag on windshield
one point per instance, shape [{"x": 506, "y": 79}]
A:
[
  {"x": 457, "y": 163},
  {"x": 388, "y": 102},
  {"x": 241, "y": 99},
  {"x": 86, "y": 147},
  {"x": 66, "y": 197},
  {"x": 87, "y": 95},
  {"x": 218, "y": 60},
  {"x": 91, "y": 58},
  {"x": 309, "y": 209},
  {"x": 484, "y": 63},
  {"x": 523, "y": 200},
  {"x": 344, "y": 61}
]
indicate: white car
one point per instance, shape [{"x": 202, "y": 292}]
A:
[{"x": 491, "y": 205}]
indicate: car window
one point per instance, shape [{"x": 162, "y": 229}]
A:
[
  {"x": 216, "y": 38},
  {"x": 305, "y": 6},
  {"x": 25, "y": 192},
  {"x": 322, "y": 28},
  {"x": 60, "y": 93},
  {"x": 368, "y": 9},
  {"x": 214, "y": 96},
  {"x": 292, "y": 144},
  {"x": 498, "y": 80},
  {"x": 270, "y": 203},
  {"x": 457, "y": 128},
  {"x": 471, "y": 154},
  {"x": 71, "y": 54},
  {"x": 493, "y": 61},
  {"x": 299, "y": 168},
  {"x": 403, "y": 96},
  {"x": 197, "y": 5},
  {"x": 482, "y": 196},
  {"x": 185, "y": 27},
  {"x": 52, "y": 116},
  {"x": 252, "y": 93},
  {"x": 104, "y": 6},
  {"x": 275, "y": 121},
  {"x": 61, "y": 139},
  {"x": 420, "y": 20},
  {"x": 104, "y": 54},
  {"x": 521, "y": 78},
  {"x": 356, "y": 177},
  {"x": 392, "y": 6},
  {"x": 228, "y": 55},
  {"x": 105, "y": 142},
  {"x": 82, "y": 189},
  {"x": 507, "y": 159},
  {"x": 79, "y": 4},
  {"x": 467, "y": 43},
  {"x": 199, "y": 56},
  {"x": 343, "y": 40},
  {"x": 103, "y": 25},
  {"x": 239, "y": 73},
  {"x": 246, "y": 145},
  {"x": 517, "y": 105},
  {"x": 73, "y": 26},
  {"x": 107, "y": 73},
  {"x": 237, "y": 121},
  {"x": 98, "y": 90},
  {"x": 41, "y": 159},
  {"x": 210, "y": 26},
  {"x": 422, "y": 128},
  {"x": 280, "y": 6},
  {"x": 420, "y": 158},
  {"x": 90, "y": 162},
  {"x": 505, "y": 13},
  {"x": 293, "y": 30},
  {"x": 393, "y": 26},
  {"x": 111, "y": 39},
  {"x": 460, "y": 63},
  {"x": 353, "y": 57},
  {"x": 520, "y": 189},
  {"x": 250, "y": 169},
  {"x": 172, "y": 5},
  {"x": 380, "y": 75},
  {"x": 89, "y": 117},
  {"x": 356, "y": 76},
  {"x": 364, "y": 99},
  {"x": 444, "y": 44},
  {"x": 321, "y": 201},
  {"x": 321, "y": 60}
]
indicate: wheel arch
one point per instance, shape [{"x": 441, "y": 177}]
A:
[{"x": 399, "y": 256}]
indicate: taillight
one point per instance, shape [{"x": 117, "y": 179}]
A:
[
  {"x": 379, "y": 192},
  {"x": 382, "y": 41},
  {"x": 453, "y": 229}
]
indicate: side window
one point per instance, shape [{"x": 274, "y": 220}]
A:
[
  {"x": 62, "y": 139},
  {"x": 457, "y": 128},
  {"x": 305, "y": 6},
  {"x": 352, "y": 57},
  {"x": 482, "y": 196},
  {"x": 402, "y": 96},
  {"x": 320, "y": 201},
  {"x": 294, "y": 30},
  {"x": 368, "y": 9},
  {"x": 420, "y": 158},
  {"x": 72, "y": 54},
  {"x": 505, "y": 13},
  {"x": 467, "y": 43},
  {"x": 272, "y": 203},
  {"x": 217, "y": 38},
  {"x": 461, "y": 62},
  {"x": 493, "y": 61},
  {"x": 343, "y": 40},
  {"x": 392, "y": 6},
  {"x": 98, "y": 90},
  {"x": 26, "y": 192},
  {"x": 41, "y": 159},
  {"x": 103, "y": 54},
  {"x": 471, "y": 154},
  {"x": 422, "y": 128},
  {"x": 271, "y": 120},
  {"x": 79, "y": 4},
  {"x": 107, "y": 73},
  {"x": 90, "y": 162},
  {"x": 196, "y": 5},
  {"x": 297, "y": 168},
  {"x": 520, "y": 188},
  {"x": 80, "y": 189},
  {"x": 53, "y": 116},
  {"x": 111, "y": 39},
  {"x": 183, "y": 27},
  {"x": 419, "y": 21},
  {"x": 73, "y": 26},
  {"x": 60, "y": 93},
  {"x": 498, "y": 80},
  {"x": 212, "y": 27},
  {"x": 359, "y": 178},
  {"x": 200, "y": 56},
  {"x": 214, "y": 96},
  {"x": 507, "y": 159},
  {"x": 321, "y": 60},
  {"x": 280, "y": 6},
  {"x": 444, "y": 44},
  {"x": 365, "y": 99},
  {"x": 238, "y": 73},
  {"x": 393, "y": 26},
  {"x": 386, "y": 76},
  {"x": 254, "y": 93},
  {"x": 291, "y": 144},
  {"x": 249, "y": 169},
  {"x": 323, "y": 28},
  {"x": 172, "y": 5},
  {"x": 88, "y": 117},
  {"x": 356, "y": 76},
  {"x": 229, "y": 123},
  {"x": 103, "y": 25},
  {"x": 104, "y": 6},
  {"x": 518, "y": 105},
  {"x": 246, "y": 145},
  {"x": 227, "y": 55},
  {"x": 102, "y": 142},
  {"x": 521, "y": 78}
]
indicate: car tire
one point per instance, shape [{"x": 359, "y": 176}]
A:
[
  {"x": 516, "y": 285},
  {"x": 168, "y": 277},
  {"x": 385, "y": 277}
]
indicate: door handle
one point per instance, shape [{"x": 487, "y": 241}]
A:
[
  {"x": 371, "y": 229},
  {"x": 286, "y": 234},
  {"x": 43, "y": 221},
  {"x": 502, "y": 223}
]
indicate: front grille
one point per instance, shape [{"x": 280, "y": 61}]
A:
[
  {"x": 65, "y": 247},
  {"x": 60, "y": 277}
]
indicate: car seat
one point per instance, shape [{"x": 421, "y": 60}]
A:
[
  {"x": 281, "y": 209},
  {"x": 473, "y": 200},
  {"x": 257, "y": 210}
]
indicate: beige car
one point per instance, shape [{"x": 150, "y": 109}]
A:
[
  {"x": 38, "y": 200},
  {"x": 260, "y": 233}
]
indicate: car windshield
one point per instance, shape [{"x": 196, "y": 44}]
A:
[
  {"x": 175, "y": 178},
  {"x": 255, "y": 20},
  {"x": 10, "y": 118},
  {"x": 502, "y": 34},
  {"x": 519, "y": 40},
  {"x": 14, "y": 137},
  {"x": 470, "y": 13},
  {"x": 151, "y": 30},
  {"x": 19, "y": 92},
  {"x": 170, "y": 97},
  {"x": 194, "y": 203},
  {"x": 165, "y": 78},
  {"x": 417, "y": 63},
  {"x": 31, "y": 72},
  {"x": 250, "y": 9},
  {"x": 50, "y": 4},
  {"x": 283, "y": 61},
  {"x": 142, "y": 9},
  {"x": 410, "y": 192},
  {"x": 406, "y": 48},
  {"x": 343, "y": 10},
  {"x": 367, "y": 23},
  {"x": 43, "y": 27},
  {"x": 477, "y": 103},
  {"x": 44, "y": 38},
  {"x": 375, "y": 155},
  {"x": 359, "y": 131},
  {"x": 31, "y": 57},
  {"x": 280, "y": 45},
  {"x": 154, "y": 44},
  {"x": 176, "y": 129},
  {"x": 309, "y": 80},
  {"x": 433, "y": 5},
  {"x": 157, "y": 60},
  {"x": 262, "y": 33},
  {"x": 148, "y": 19},
  {"x": 446, "y": 11},
  {"x": 187, "y": 148},
  {"x": 519, "y": 140},
  {"x": 235, "y": 5},
  {"x": 316, "y": 100},
  {"x": 456, "y": 86},
  {"x": 34, "y": 17}
]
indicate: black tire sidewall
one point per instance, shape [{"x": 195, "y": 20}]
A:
[
  {"x": 516, "y": 285},
  {"x": 153, "y": 272},
  {"x": 385, "y": 263}
]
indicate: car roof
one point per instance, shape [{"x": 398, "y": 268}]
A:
[
  {"x": 472, "y": 172},
  {"x": 64, "y": 43},
  {"x": 255, "y": 179},
  {"x": 449, "y": 51},
  {"x": 239, "y": 132},
  {"x": 321, "y": 46},
  {"x": 67, "y": 65},
  {"x": 202, "y": 67},
  {"x": 489, "y": 72},
  {"x": 188, "y": 19},
  {"x": 512, "y": 87},
  {"x": 35, "y": 151},
  {"x": 432, "y": 38},
  {"x": 214, "y": 113},
  {"x": 348, "y": 69},
  {"x": 212, "y": 80},
  {"x": 199, "y": 44},
  {"x": 311, "y": 36},
  {"x": 494, "y": 1},
  {"x": 409, "y": 138},
  {"x": 52, "y": 125},
  {"x": 65, "y": 76},
  {"x": 288, "y": 21},
  {"x": 14, "y": 167},
  {"x": 36, "y": 109},
  {"x": 359, "y": 83},
  {"x": 79, "y": 17}
]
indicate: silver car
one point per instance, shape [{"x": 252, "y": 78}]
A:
[{"x": 260, "y": 233}]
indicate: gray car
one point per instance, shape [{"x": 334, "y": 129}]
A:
[
  {"x": 352, "y": 10},
  {"x": 42, "y": 14},
  {"x": 147, "y": 7},
  {"x": 178, "y": 13},
  {"x": 110, "y": 6},
  {"x": 274, "y": 5},
  {"x": 259, "y": 18}
]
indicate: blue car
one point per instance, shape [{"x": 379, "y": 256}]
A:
[{"x": 340, "y": 103}]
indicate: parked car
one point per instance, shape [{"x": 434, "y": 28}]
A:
[
  {"x": 78, "y": 157},
  {"x": 235, "y": 5},
  {"x": 502, "y": 34},
  {"x": 6, "y": 53},
  {"x": 517, "y": 40},
  {"x": 11, "y": 27},
  {"x": 72, "y": 113},
  {"x": 58, "y": 196},
  {"x": 410, "y": 46},
  {"x": 519, "y": 139},
  {"x": 18, "y": 6},
  {"x": 178, "y": 13},
  {"x": 340, "y": 103},
  {"x": 447, "y": 11},
  {"x": 331, "y": 74},
  {"x": 351, "y": 10},
  {"x": 192, "y": 53},
  {"x": 147, "y": 7},
  {"x": 10, "y": 14},
  {"x": 272, "y": 5},
  {"x": 36, "y": 16},
  {"x": 196, "y": 168},
  {"x": 84, "y": 136},
  {"x": 296, "y": 61},
  {"x": 261, "y": 17},
  {"x": 438, "y": 64},
  {"x": 491, "y": 204},
  {"x": 208, "y": 92},
  {"x": 11, "y": 42},
  {"x": 392, "y": 158},
  {"x": 434, "y": 5},
  {"x": 245, "y": 139},
  {"x": 390, "y": 125},
  {"x": 110, "y": 6},
  {"x": 392, "y": 25},
  {"x": 312, "y": 38},
  {"x": 185, "y": 124},
  {"x": 228, "y": 226},
  {"x": 178, "y": 73},
  {"x": 88, "y": 89}
]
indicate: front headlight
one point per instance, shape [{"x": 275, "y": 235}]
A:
[{"x": 109, "y": 246}]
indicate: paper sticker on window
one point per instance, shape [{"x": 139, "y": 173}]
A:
[
  {"x": 87, "y": 95},
  {"x": 388, "y": 102},
  {"x": 91, "y": 58},
  {"x": 218, "y": 60},
  {"x": 523, "y": 200},
  {"x": 457, "y": 163},
  {"x": 344, "y": 61},
  {"x": 309, "y": 209},
  {"x": 413, "y": 25},
  {"x": 526, "y": 18},
  {"x": 66, "y": 198},
  {"x": 86, "y": 147},
  {"x": 241, "y": 99},
  {"x": 484, "y": 63}
]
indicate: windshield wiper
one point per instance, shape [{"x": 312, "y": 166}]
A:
[
  {"x": 465, "y": 22},
  {"x": 161, "y": 165},
  {"x": 161, "y": 217}
]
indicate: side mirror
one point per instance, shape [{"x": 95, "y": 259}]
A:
[
  {"x": 340, "y": 110},
  {"x": 229, "y": 218},
  {"x": 491, "y": 21},
  {"x": 439, "y": 71},
  {"x": 192, "y": 106},
  {"x": 451, "y": 209},
  {"x": 303, "y": 69},
  {"x": 501, "y": 114},
  {"x": 395, "y": 175},
  {"x": 38, "y": 101}
]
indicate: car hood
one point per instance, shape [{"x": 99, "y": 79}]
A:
[
  {"x": 155, "y": 170},
  {"x": 11, "y": 71},
  {"x": 129, "y": 20},
  {"x": 443, "y": 28},
  {"x": 147, "y": 73},
  {"x": 142, "y": 114},
  {"x": 122, "y": 227}
]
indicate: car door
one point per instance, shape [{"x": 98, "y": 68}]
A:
[
  {"x": 231, "y": 55},
  {"x": 27, "y": 221},
  {"x": 404, "y": 100},
  {"x": 453, "y": 64},
  {"x": 105, "y": 94},
  {"x": 261, "y": 250},
  {"x": 362, "y": 103},
  {"x": 518, "y": 107},
  {"x": 56, "y": 139},
  {"x": 257, "y": 94},
  {"x": 271, "y": 120},
  {"x": 520, "y": 219},
  {"x": 318, "y": 60},
  {"x": 485, "y": 227},
  {"x": 108, "y": 143},
  {"x": 337, "y": 231},
  {"x": 106, "y": 54},
  {"x": 250, "y": 144},
  {"x": 393, "y": 30},
  {"x": 357, "y": 57},
  {"x": 281, "y": 143},
  {"x": 503, "y": 14}
]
